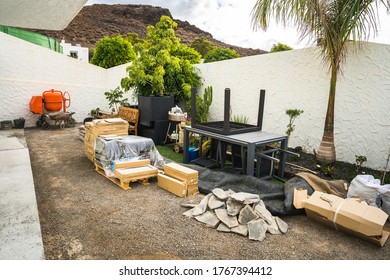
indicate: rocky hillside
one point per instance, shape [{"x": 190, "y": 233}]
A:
[{"x": 99, "y": 20}]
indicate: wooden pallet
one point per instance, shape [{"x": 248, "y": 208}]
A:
[{"x": 123, "y": 183}]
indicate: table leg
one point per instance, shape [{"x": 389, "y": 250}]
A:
[
  {"x": 283, "y": 147},
  {"x": 186, "y": 143},
  {"x": 250, "y": 159}
]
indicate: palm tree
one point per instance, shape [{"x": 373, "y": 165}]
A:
[{"x": 332, "y": 24}]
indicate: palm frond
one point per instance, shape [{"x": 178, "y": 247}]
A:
[{"x": 332, "y": 24}]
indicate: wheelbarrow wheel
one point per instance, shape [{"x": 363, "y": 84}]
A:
[
  {"x": 45, "y": 125},
  {"x": 178, "y": 149},
  {"x": 41, "y": 120}
]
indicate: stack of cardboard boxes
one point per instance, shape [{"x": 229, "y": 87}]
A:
[
  {"x": 179, "y": 180},
  {"x": 99, "y": 127}
]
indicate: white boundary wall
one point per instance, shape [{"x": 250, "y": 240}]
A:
[
  {"x": 293, "y": 79},
  {"x": 27, "y": 70},
  {"x": 299, "y": 80}
]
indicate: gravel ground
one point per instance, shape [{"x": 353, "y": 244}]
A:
[{"x": 85, "y": 216}]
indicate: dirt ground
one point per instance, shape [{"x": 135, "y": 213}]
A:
[{"x": 85, "y": 216}]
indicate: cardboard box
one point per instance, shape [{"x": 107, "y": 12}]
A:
[
  {"x": 192, "y": 189},
  {"x": 136, "y": 173},
  {"x": 172, "y": 185},
  {"x": 177, "y": 187},
  {"x": 300, "y": 196},
  {"x": 182, "y": 173},
  {"x": 348, "y": 215}
]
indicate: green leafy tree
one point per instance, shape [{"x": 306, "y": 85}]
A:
[
  {"x": 163, "y": 65},
  {"x": 188, "y": 53},
  {"x": 279, "y": 47},
  {"x": 112, "y": 51},
  {"x": 333, "y": 24},
  {"x": 133, "y": 38},
  {"x": 202, "y": 45},
  {"x": 218, "y": 54}
]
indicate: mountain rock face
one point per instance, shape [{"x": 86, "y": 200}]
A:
[{"x": 96, "y": 21}]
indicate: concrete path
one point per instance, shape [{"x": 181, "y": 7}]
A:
[{"x": 20, "y": 231}]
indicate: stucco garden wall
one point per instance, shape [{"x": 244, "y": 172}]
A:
[
  {"x": 294, "y": 79},
  {"x": 27, "y": 69},
  {"x": 299, "y": 80}
]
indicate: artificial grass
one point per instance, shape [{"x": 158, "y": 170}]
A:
[{"x": 168, "y": 152}]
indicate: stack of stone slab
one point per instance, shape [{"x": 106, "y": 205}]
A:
[
  {"x": 99, "y": 127},
  {"x": 241, "y": 213},
  {"x": 179, "y": 180}
]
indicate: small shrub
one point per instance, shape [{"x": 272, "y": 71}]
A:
[
  {"x": 359, "y": 162},
  {"x": 293, "y": 114},
  {"x": 115, "y": 98}
]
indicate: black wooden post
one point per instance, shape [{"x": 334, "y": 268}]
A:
[
  {"x": 226, "y": 118},
  {"x": 261, "y": 109},
  {"x": 193, "y": 106}
]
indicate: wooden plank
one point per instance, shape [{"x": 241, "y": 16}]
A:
[
  {"x": 131, "y": 163},
  {"x": 125, "y": 182},
  {"x": 93, "y": 131}
]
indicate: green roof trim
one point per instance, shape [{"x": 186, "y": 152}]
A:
[{"x": 33, "y": 37}]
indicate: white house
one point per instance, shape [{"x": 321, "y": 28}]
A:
[{"x": 75, "y": 51}]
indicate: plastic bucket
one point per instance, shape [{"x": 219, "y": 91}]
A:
[{"x": 192, "y": 153}]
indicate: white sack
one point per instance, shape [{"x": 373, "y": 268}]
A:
[
  {"x": 384, "y": 191},
  {"x": 365, "y": 187}
]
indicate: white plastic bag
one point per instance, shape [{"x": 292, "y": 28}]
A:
[
  {"x": 365, "y": 187},
  {"x": 384, "y": 191}
]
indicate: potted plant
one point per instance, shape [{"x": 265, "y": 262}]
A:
[{"x": 163, "y": 73}]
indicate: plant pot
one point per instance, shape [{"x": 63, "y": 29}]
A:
[
  {"x": 19, "y": 123},
  {"x": 154, "y": 108}
]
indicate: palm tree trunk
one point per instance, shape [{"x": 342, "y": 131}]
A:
[{"x": 326, "y": 152}]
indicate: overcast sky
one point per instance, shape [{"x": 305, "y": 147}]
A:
[{"x": 229, "y": 21}]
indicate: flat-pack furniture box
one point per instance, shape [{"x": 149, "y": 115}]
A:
[
  {"x": 348, "y": 215},
  {"x": 182, "y": 173},
  {"x": 179, "y": 180},
  {"x": 172, "y": 185}
]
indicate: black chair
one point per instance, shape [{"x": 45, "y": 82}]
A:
[{"x": 265, "y": 161}]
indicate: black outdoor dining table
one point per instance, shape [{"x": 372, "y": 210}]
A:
[{"x": 250, "y": 140}]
